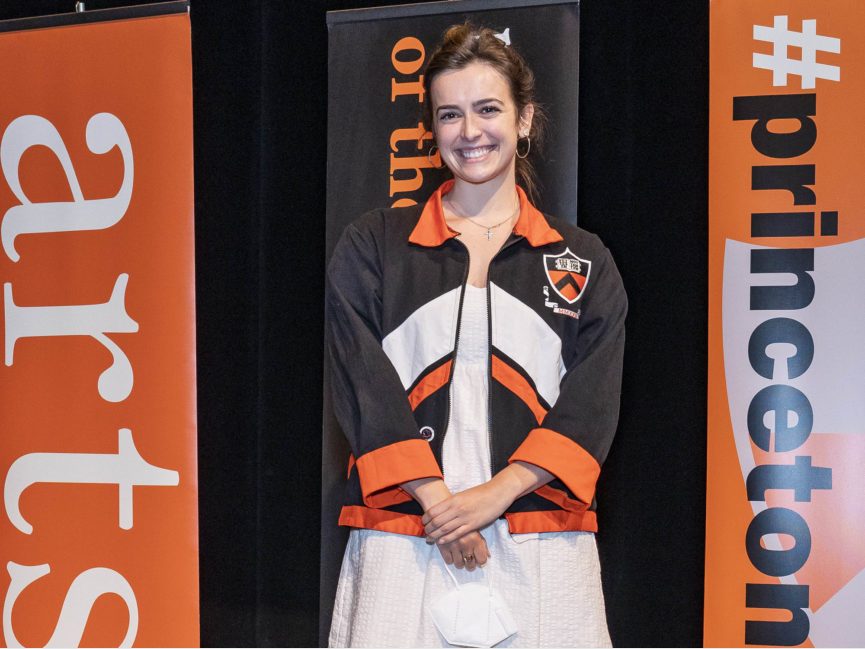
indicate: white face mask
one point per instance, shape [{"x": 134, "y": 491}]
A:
[{"x": 473, "y": 615}]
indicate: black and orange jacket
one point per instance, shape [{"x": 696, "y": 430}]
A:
[{"x": 556, "y": 309}]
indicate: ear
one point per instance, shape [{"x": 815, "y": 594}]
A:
[{"x": 525, "y": 125}]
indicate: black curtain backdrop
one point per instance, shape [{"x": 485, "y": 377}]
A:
[{"x": 260, "y": 89}]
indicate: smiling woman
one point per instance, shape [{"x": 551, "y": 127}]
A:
[
  {"x": 478, "y": 410},
  {"x": 464, "y": 46},
  {"x": 476, "y": 137}
]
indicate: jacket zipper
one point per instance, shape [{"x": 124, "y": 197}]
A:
[
  {"x": 456, "y": 349},
  {"x": 507, "y": 245}
]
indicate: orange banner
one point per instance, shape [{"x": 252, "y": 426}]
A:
[
  {"x": 97, "y": 392},
  {"x": 785, "y": 558}
]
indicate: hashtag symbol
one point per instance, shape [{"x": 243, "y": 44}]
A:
[{"x": 808, "y": 40}]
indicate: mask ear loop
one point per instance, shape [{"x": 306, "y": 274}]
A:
[
  {"x": 453, "y": 577},
  {"x": 449, "y": 571}
]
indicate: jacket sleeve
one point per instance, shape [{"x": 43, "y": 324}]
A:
[
  {"x": 369, "y": 400},
  {"x": 574, "y": 436}
]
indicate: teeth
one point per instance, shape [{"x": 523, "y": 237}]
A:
[{"x": 476, "y": 153}]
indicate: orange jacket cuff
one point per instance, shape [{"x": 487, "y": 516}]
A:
[
  {"x": 391, "y": 465},
  {"x": 381, "y": 519},
  {"x": 562, "y": 457}
]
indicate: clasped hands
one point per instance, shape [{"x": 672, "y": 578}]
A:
[
  {"x": 453, "y": 521},
  {"x": 454, "y": 524}
]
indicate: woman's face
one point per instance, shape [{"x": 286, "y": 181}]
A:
[{"x": 475, "y": 122}]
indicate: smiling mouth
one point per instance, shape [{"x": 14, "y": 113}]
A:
[{"x": 476, "y": 152}]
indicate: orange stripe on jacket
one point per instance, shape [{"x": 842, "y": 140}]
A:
[
  {"x": 564, "y": 458},
  {"x": 516, "y": 383},
  {"x": 554, "y": 520},
  {"x": 532, "y": 225},
  {"x": 388, "y": 497},
  {"x": 384, "y": 469},
  {"x": 380, "y": 519},
  {"x": 561, "y": 499},
  {"x": 429, "y": 384}
]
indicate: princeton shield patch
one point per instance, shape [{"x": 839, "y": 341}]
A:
[{"x": 568, "y": 274}]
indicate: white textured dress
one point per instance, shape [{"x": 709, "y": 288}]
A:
[{"x": 551, "y": 581}]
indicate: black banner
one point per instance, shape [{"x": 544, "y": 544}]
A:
[{"x": 377, "y": 145}]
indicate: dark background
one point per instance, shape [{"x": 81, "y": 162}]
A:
[{"x": 260, "y": 104}]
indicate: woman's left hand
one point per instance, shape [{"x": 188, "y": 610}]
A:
[
  {"x": 467, "y": 511},
  {"x": 475, "y": 508}
]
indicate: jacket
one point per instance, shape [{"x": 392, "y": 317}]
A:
[{"x": 556, "y": 310}]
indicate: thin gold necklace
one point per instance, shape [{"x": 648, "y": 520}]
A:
[{"x": 489, "y": 228}]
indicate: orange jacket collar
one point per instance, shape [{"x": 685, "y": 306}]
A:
[{"x": 432, "y": 230}]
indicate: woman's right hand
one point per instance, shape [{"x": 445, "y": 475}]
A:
[
  {"x": 469, "y": 551},
  {"x": 429, "y": 492}
]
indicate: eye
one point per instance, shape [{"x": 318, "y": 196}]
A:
[
  {"x": 490, "y": 109},
  {"x": 447, "y": 116}
]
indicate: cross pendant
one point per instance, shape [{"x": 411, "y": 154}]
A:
[{"x": 489, "y": 234}]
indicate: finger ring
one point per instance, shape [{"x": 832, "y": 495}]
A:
[{"x": 468, "y": 557}]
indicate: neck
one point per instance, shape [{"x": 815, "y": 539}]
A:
[{"x": 492, "y": 199}]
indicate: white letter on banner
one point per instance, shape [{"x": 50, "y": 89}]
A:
[
  {"x": 85, "y": 589},
  {"x": 104, "y": 132},
  {"x": 95, "y": 320},
  {"x": 126, "y": 469}
]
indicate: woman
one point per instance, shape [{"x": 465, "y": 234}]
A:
[{"x": 476, "y": 348}]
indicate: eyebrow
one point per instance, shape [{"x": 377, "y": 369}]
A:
[{"x": 475, "y": 104}]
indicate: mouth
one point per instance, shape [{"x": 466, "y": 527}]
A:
[{"x": 476, "y": 153}]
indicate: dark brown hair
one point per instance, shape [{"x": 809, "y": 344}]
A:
[{"x": 468, "y": 43}]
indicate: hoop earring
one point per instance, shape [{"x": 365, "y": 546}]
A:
[
  {"x": 528, "y": 148},
  {"x": 429, "y": 155}
]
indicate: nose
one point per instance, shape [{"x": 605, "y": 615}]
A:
[{"x": 471, "y": 128}]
